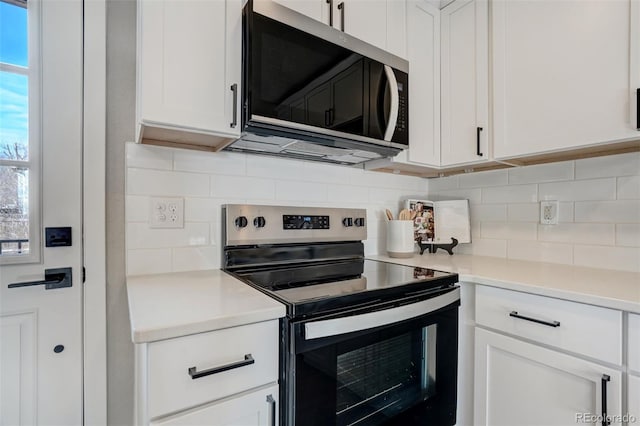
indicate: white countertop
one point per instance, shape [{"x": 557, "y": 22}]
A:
[
  {"x": 162, "y": 306},
  {"x": 602, "y": 287}
]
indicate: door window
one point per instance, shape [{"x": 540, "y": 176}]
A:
[{"x": 19, "y": 166}]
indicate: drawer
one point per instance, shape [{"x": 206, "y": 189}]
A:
[
  {"x": 584, "y": 329},
  {"x": 170, "y": 385},
  {"x": 634, "y": 342}
]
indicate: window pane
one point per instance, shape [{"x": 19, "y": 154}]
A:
[
  {"x": 14, "y": 116},
  {"x": 13, "y": 34},
  {"x": 14, "y": 210}
]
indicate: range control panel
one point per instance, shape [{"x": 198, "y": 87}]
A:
[
  {"x": 305, "y": 222},
  {"x": 258, "y": 224}
]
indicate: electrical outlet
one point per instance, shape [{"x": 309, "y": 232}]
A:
[
  {"x": 549, "y": 212},
  {"x": 166, "y": 212}
]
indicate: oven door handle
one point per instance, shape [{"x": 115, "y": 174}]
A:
[{"x": 350, "y": 324}]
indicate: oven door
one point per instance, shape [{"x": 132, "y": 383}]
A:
[{"x": 386, "y": 366}]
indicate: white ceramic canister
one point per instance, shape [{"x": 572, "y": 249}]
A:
[{"x": 400, "y": 241}]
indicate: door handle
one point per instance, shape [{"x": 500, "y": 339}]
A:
[
  {"x": 234, "y": 89},
  {"x": 53, "y": 278},
  {"x": 515, "y": 314},
  {"x": 330, "y": 2},
  {"x": 637, "y": 109},
  {"x": 478, "y": 152},
  {"x": 248, "y": 360},
  {"x": 605, "y": 379},
  {"x": 395, "y": 103},
  {"x": 341, "y": 8},
  {"x": 272, "y": 405}
]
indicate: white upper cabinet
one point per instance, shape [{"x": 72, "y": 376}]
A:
[
  {"x": 363, "y": 19},
  {"x": 189, "y": 71},
  {"x": 561, "y": 74},
  {"x": 464, "y": 133},
  {"x": 423, "y": 52},
  {"x": 397, "y": 27},
  {"x": 316, "y": 9}
]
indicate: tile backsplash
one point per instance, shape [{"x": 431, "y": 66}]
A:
[
  {"x": 599, "y": 205},
  {"x": 599, "y": 211},
  {"x": 206, "y": 181}
]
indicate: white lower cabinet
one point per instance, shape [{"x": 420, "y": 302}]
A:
[
  {"x": 519, "y": 383},
  {"x": 634, "y": 400},
  {"x": 257, "y": 408}
]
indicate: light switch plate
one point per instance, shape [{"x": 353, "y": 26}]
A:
[
  {"x": 166, "y": 212},
  {"x": 549, "y": 212}
]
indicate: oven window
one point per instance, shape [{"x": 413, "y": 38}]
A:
[{"x": 380, "y": 380}]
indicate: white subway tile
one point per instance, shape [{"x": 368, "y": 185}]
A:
[
  {"x": 510, "y": 194},
  {"x": 540, "y": 251},
  {"x": 612, "y": 165},
  {"x": 215, "y": 233},
  {"x": 155, "y": 182},
  {"x": 149, "y": 157},
  {"x": 392, "y": 198},
  {"x": 136, "y": 208},
  {"x": 196, "y": 258},
  {"x": 579, "y": 190},
  {"x": 203, "y": 209},
  {"x": 484, "y": 247},
  {"x": 628, "y": 235},
  {"x": 242, "y": 187},
  {"x": 408, "y": 184},
  {"x": 483, "y": 179},
  {"x": 625, "y": 211},
  {"x": 139, "y": 235},
  {"x": 441, "y": 184},
  {"x": 488, "y": 212},
  {"x": 347, "y": 194},
  {"x": 375, "y": 246},
  {"x": 300, "y": 191},
  {"x": 578, "y": 233},
  {"x": 628, "y": 188},
  {"x": 330, "y": 173},
  {"x": 148, "y": 261},
  {"x": 565, "y": 212},
  {"x": 275, "y": 168},
  {"x": 508, "y": 230},
  {"x": 550, "y": 172},
  {"x": 524, "y": 212},
  {"x": 619, "y": 258},
  {"x": 474, "y": 195},
  {"x": 221, "y": 163}
]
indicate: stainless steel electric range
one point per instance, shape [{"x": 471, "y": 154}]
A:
[{"x": 364, "y": 342}]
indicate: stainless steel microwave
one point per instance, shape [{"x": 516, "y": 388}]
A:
[{"x": 313, "y": 92}]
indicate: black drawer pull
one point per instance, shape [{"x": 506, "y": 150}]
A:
[
  {"x": 248, "y": 360},
  {"x": 537, "y": 321},
  {"x": 234, "y": 89},
  {"x": 638, "y": 109},
  {"x": 605, "y": 418},
  {"x": 478, "y": 152}
]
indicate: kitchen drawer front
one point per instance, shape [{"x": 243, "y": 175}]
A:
[
  {"x": 634, "y": 342},
  {"x": 588, "y": 330},
  {"x": 170, "y": 385}
]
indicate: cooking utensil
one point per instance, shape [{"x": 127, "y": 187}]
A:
[{"x": 389, "y": 214}]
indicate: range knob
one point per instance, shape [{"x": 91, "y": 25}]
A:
[
  {"x": 359, "y": 221},
  {"x": 259, "y": 222},
  {"x": 347, "y": 221},
  {"x": 241, "y": 221}
]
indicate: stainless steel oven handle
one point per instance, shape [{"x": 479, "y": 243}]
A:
[
  {"x": 337, "y": 326},
  {"x": 395, "y": 102}
]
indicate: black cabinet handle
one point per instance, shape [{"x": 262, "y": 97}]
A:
[
  {"x": 605, "y": 378},
  {"x": 537, "y": 321},
  {"x": 478, "y": 152},
  {"x": 330, "y": 12},
  {"x": 341, "y": 7},
  {"x": 638, "y": 109},
  {"x": 272, "y": 404},
  {"x": 248, "y": 360},
  {"x": 53, "y": 279},
  {"x": 327, "y": 118},
  {"x": 234, "y": 89}
]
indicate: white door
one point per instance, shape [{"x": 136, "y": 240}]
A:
[
  {"x": 40, "y": 165},
  {"x": 518, "y": 383}
]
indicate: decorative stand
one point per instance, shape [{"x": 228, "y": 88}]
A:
[{"x": 433, "y": 247}]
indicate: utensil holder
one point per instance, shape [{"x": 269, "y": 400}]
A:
[{"x": 400, "y": 243}]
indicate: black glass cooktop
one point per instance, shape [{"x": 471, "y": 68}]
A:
[{"x": 321, "y": 287}]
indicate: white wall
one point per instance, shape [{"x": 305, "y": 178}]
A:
[
  {"x": 599, "y": 214},
  {"x": 209, "y": 180}
]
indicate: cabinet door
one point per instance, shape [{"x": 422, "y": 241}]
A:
[
  {"x": 316, "y": 9},
  {"x": 423, "y": 51},
  {"x": 634, "y": 397},
  {"x": 561, "y": 74},
  {"x": 363, "y": 19},
  {"x": 465, "y": 84},
  {"x": 518, "y": 383},
  {"x": 397, "y": 27},
  {"x": 259, "y": 408},
  {"x": 189, "y": 56}
]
